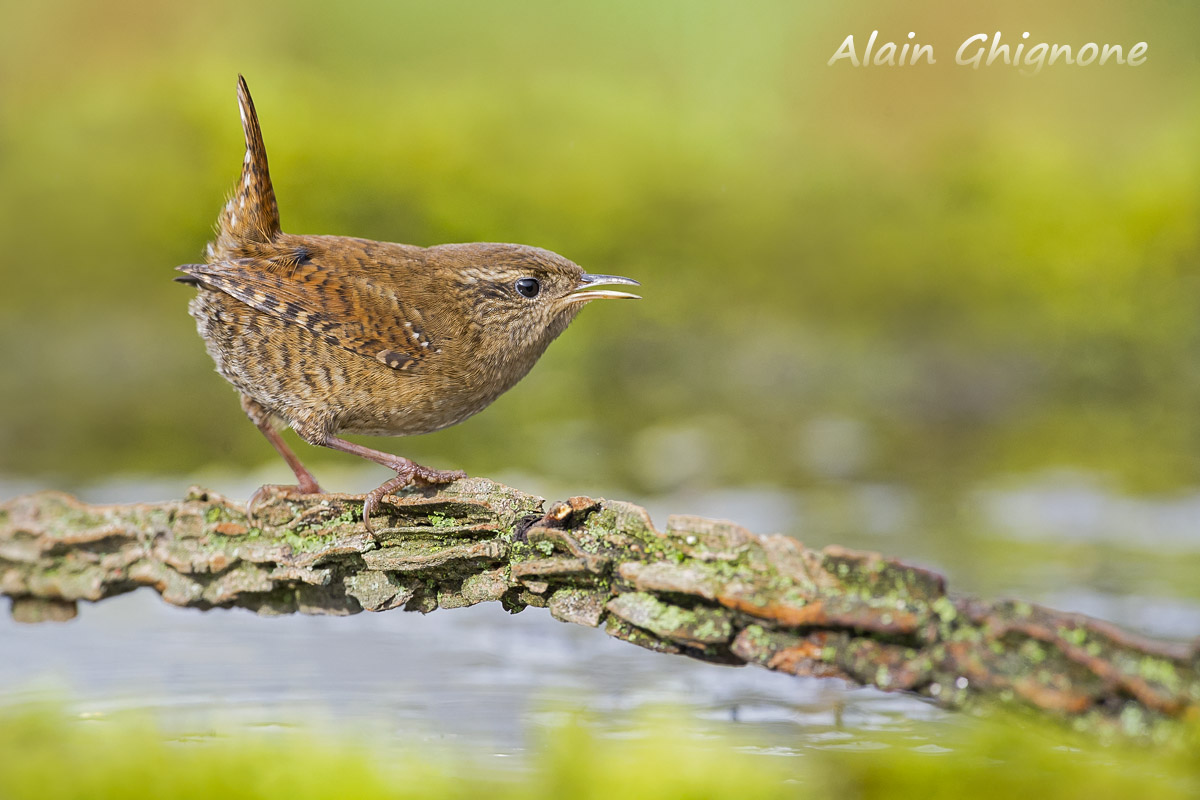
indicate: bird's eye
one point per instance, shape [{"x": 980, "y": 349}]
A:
[{"x": 529, "y": 287}]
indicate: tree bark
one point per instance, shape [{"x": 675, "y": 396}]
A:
[{"x": 702, "y": 588}]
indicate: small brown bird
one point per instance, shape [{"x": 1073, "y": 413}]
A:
[{"x": 331, "y": 334}]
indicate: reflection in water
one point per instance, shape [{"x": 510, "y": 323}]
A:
[{"x": 473, "y": 675}]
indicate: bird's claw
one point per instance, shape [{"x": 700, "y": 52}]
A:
[
  {"x": 270, "y": 492},
  {"x": 406, "y": 474},
  {"x": 436, "y": 477}
]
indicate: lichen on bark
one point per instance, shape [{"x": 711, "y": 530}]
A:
[{"x": 706, "y": 589}]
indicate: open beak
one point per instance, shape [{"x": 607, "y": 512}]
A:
[{"x": 585, "y": 292}]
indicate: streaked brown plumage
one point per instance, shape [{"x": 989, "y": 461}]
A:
[{"x": 331, "y": 334}]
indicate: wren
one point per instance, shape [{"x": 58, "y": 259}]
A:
[{"x": 332, "y": 334}]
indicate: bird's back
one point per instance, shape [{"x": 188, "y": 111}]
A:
[{"x": 315, "y": 328}]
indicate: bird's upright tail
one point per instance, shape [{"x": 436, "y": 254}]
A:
[{"x": 251, "y": 216}]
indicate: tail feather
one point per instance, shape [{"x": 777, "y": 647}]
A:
[{"x": 251, "y": 216}]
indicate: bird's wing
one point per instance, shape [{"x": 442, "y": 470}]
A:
[{"x": 342, "y": 308}]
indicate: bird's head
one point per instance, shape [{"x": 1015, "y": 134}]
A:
[{"x": 517, "y": 299}]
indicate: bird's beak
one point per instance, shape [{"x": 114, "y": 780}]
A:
[{"x": 584, "y": 292}]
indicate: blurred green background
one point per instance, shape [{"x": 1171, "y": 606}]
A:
[{"x": 930, "y": 279}]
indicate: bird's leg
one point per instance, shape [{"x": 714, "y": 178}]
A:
[
  {"x": 407, "y": 472},
  {"x": 307, "y": 483}
]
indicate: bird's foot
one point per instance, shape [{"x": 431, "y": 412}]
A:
[
  {"x": 269, "y": 493},
  {"x": 407, "y": 473},
  {"x": 435, "y": 477}
]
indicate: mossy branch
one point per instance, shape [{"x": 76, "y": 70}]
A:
[{"x": 710, "y": 590}]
